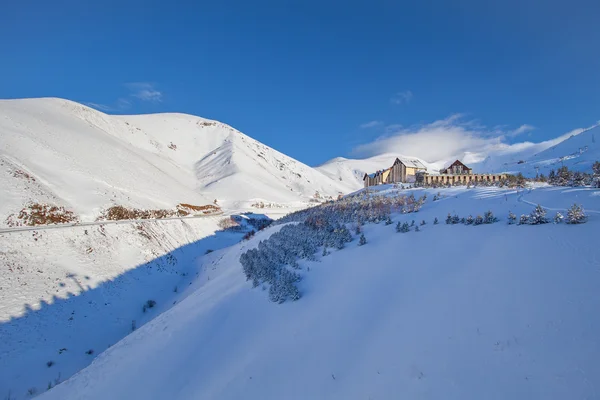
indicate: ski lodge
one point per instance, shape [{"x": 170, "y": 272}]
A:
[{"x": 413, "y": 171}]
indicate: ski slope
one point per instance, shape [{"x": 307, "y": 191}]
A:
[
  {"x": 493, "y": 311},
  {"x": 63, "y": 153}
]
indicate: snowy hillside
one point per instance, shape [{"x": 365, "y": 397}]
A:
[
  {"x": 62, "y": 153},
  {"x": 350, "y": 172},
  {"x": 455, "y": 312},
  {"x": 578, "y": 152}
]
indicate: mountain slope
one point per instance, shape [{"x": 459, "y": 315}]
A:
[
  {"x": 514, "y": 316},
  {"x": 63, "y": 153},
  {"x": 578, "y": 152}
]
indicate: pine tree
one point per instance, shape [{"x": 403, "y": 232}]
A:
[
  {"x": 449, "y": 219},
  {"x": 362, "y": 240},
  {"x": 596, "y": 170},
  {"x": 469, "y": 220},
  {"x": 412, "y": 223},
  {"x": 325, "y": 252},
  {"x": 558, "y": 218},
  {"x": 398, "y": 227},
  {"x": 435, "y": 221},
  {"x": 417, "y": 229},
  {"x": 538, "y": 216},
  {"x": 388, "y": 220},
  {"x": 524, "y": 220},
  {"x": 455, "y": 219},
  {"x": 423, "y": 222},
  {"x": 478, "y": 220},
  {"x": 576, "y": 215},
  {"x": 512, "y": 218},
  {"x": 552, "y": 177},
  {"x": 405, "y": 228},
  {"x": 358, "y": 230},
  {"x": 489, "y": 218}
]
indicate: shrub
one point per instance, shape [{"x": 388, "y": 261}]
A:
[
  {"x": 558, "y": 218},
  {"x": 470, "y": 220},
  {"x": 538, "y": 216},
  {"x": 363, "y": 240},
  {"x": 49, "y": 364},
  {"x": 478, "y": 220},
  {"x": 576, "y": 215},
  {"x": 435, "y": 221},
  {"x": 489, "y": 218},
  {"x": 512, "y": 218},
  {"x": 524, "y": 219}
]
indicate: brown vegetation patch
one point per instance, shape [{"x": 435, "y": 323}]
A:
[
  {"x": 23, "y": 175},
  {"x": 41, "y": 214},
  {"x": 117, "y": 213},
  {"x": 187, "y": 209}
]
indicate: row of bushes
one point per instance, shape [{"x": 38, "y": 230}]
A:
[{"x": 575, "y": 215}]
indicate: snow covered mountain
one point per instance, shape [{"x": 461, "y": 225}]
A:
[
  {"x": 578, "y": 152},
  {"x": 63, "y": 153},
  {"x": 512, "y": 313}
]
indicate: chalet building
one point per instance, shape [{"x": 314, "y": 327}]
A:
[
  {"x": 404, "y": 170},
  {"x": 459, "y": 174}
]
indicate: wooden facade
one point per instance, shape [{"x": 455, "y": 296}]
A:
[{"x": 402, "y": 171}]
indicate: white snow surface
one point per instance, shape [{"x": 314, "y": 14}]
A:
[
  {"x": 455, "y": 312},
  {"x": 63, "y": 153},
  {"x": 578, "y": 152}
]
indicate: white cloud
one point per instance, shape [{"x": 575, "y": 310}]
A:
[
  {"x": 145, "y": 91},
  {"x": 520, "y": 130},
  {"x": 453, "y": 138},
  {"x": 370, "y": 124},
  {"x": 402, "y": 97}
]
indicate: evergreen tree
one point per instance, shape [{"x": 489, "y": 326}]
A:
[
  {"x": 538, "y": 216},
  {"x": 325, "y": 252},
  {"x": 362, "y": 240},
  {"x": 524, "y": 220},
  {"x": 596, "y": 176},
  {"x": 552, "y": 177},
  {"x": 512, "y": 218},
  {"x": 558, "y": 218},
  {"x": 423, "y": 222},
  {"x": 478, "y": 220},
  {"x": 578, "y": 179},
  {"x": 388, "y": 220},
  {"x": 405, "y": 228},
  {"x": 455, "y": 219},
  {"x": 489, "y": 218},
  {"x": 563, "y": 176},
  {"x": 448, "y": 219},
  {"x": 417, "y": 229},
  {"x": 435, "y": 221},
  {"x": 412, "y": 223},
  {"x": 576, "y": 215},
  {"x": 398, "y": 227},
  {"x": 358, "y": 230},
  {"x": 469, "y": 220}
]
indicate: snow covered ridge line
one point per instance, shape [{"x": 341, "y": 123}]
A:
[{"x": 320, "y": 226}]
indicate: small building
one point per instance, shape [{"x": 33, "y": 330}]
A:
[
  {"x": 457, "y": 168},
  {"x": 459, "y": 174},
  {"x": 403, "y": 170}
]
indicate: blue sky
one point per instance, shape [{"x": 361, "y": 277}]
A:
[{"x": 319, "y": 79}]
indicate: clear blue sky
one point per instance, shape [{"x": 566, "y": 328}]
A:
[{"x": 302, "y": 76}]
